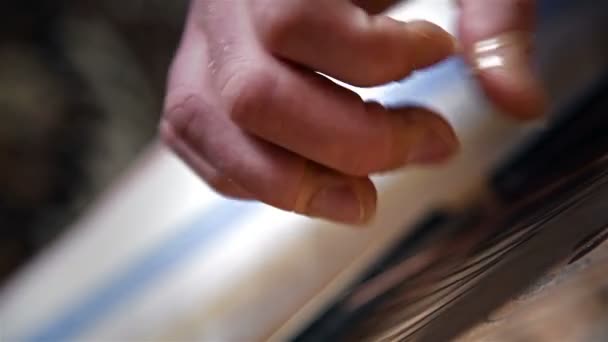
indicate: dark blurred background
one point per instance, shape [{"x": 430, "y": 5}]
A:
[{"x": 81, "y": 87}]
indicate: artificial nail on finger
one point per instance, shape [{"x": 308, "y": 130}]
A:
[{"x": 509, "y": 51}]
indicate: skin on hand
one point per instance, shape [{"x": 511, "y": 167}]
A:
[
  {"x": 497, "y": 37},
  {"x": 247, "y": 111}
]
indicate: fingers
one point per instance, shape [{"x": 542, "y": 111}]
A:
[
  {"x": 326, "y": 193},
  {"x": 497, "y": 40},
  {"x": 247, "y": 111},
  {"x": 215, "y": 179},
  {"x": 343, "y": 41},
  {"x": 309, "y": 115},
  {"x": 197, "y": 128},
  {"x": 271, "y": 174}
]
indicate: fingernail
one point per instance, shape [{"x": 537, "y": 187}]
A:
[
  {"x": 509, "y": 51},
  {"x": 434, "y": 146},
  {"x": 338, "y": 202}
]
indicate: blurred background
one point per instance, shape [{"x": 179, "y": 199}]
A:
[{"x": 81, "y": 86}]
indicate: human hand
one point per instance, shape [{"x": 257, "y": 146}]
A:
[
  {"x": 497, "y": 37},
  {"x": 247, "y": 112}
]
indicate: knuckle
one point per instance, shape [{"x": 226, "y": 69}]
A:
[
  {"x": 179, "y": 116},
  {"x": 175, "y": 121},
  {"x": 249, "y": 94},
  {"x": 167, "y": 133},
  {"x": 277, "y": 24}
]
